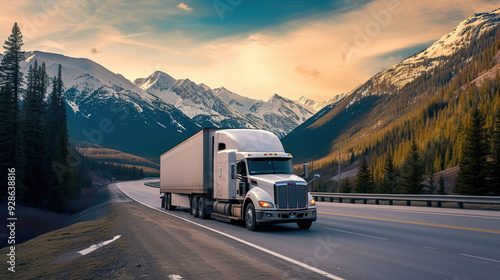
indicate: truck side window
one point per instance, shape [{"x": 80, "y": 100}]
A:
[
  {"x": 222, "y": 146},
  {"x": 242, "y": 169}
]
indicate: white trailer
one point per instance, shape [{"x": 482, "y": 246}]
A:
[{"x": 236, "y": 174}]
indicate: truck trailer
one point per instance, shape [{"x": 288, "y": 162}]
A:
[{"x": 236, "y": 175}]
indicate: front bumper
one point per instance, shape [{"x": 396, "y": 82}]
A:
[{"x": 285, "y": 216}]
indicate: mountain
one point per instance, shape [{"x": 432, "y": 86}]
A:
[
  {"x": 223, "y": 108},
  {"x": 316, "y": 106},
  {"x": 105, "y": 108},
  {"x": 425, "y": 97},
  {"x": 198, "y": 102},
  {"x": 397, "y": 76},
  {"x": 277, "y": 114}
]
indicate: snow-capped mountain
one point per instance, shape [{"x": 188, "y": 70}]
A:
[
  {"x": 277, "y": 114},
  {"x": 397, "y": 76},
  {"x": 396, "y": 96},
  {"x": 316, "y": 106},
  {"x": 153, "y": 114},
  {"x": 223, "y": 108},
  {"x": 107, "y": 109},
  {"x": 197, "y": 101}
]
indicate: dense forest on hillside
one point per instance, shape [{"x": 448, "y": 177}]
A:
[
  {"x": 434, "y": 111},
  {"x": 118, "y": 158}
]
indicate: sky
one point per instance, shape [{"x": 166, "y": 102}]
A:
[{"x": 311, "y": 48}]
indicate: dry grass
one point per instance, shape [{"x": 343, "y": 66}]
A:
[{"x": 35, "y": 258}]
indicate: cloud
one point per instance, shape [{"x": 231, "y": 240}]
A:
[
  {"x": 260, "y": 63},
  {"x": 303, "y": 71},
  {"x": 256, "y": 63},
  {"x": 184, "y": 7}
]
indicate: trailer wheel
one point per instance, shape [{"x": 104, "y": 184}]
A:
[
  {"x": 304, "y": 224},
  {"x": 163, "y": 198},
  {"x": 201, "y": 208},
  {"x": 194, "y": 207},
  {"x": 168, "y": 202},
  {"x": 250, "y": 221}
]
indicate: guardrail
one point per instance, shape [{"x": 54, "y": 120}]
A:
[{"x": 439, "y": 199}]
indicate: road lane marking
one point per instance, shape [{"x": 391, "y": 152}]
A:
[
  {"x": 147, "y": 190},
  {"x": 359, "y": 234},
  {"x": 303, "y": 265},
  {"x": 412, "y": 222},
  {"x": 480, "y": 258},
  {"x": 97, "y": 246}
]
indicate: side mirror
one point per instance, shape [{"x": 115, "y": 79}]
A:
[
  {"x": 306, "y": 170},
  {"x": 316, "y": 176},
  {"x": 233, "y": 171}
]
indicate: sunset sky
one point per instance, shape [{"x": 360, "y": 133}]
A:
[{"x": 308, "y": 48}]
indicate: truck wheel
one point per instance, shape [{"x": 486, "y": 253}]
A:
[
  {"x": 163, "y": 199},
  {"x": 304, "y": 224},
  {"x": 250, "y": 221},
  {"x": 201, "y": 208},
  {"x": 168, "y": 202},
  {"x": 194, "y": 207}
]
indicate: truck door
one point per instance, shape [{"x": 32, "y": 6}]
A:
[
  {"x": 225, "y": 185},
  {"x": 242, "y": 179}
]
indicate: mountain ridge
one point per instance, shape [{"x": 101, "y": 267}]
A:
[{"x": 377, "y": 121}]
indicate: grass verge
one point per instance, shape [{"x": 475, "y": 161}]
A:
[{"x": 35, "y": 258}]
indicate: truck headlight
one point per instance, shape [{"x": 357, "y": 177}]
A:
[
  {"x": 265, "y": 204},
  {"x": 313, "y": 202}
]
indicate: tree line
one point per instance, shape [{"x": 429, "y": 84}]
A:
[
  {"x": 34, "y": 136},
  {"x": 33, "y": 132}
]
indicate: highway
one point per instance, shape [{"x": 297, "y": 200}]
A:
[{"x": 358, "y": 241}]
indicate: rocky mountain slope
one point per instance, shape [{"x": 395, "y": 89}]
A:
[
  {"x": 381, "y": 107},
  {"x": 105, "y": 108}
]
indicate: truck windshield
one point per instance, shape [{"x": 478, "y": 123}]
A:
[{"x": 270, "y": 166}]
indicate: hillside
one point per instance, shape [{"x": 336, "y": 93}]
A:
[
  {"x": 101, "y": 154},
  {"x": 381, "y": 118}
]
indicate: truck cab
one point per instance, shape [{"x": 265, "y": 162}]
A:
[
  {"x": 236, "y": 174},
  {"x": 264, "y": 188}
]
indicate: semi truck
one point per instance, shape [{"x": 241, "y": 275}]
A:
[{"x": 236, "y": 175}]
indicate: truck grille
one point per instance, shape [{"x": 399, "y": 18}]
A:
[{"x": 290, "y": 196}]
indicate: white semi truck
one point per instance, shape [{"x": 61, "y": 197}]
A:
[{"x": 236, "y": 174}]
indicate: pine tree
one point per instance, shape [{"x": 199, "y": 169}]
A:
[
  {"x": 364, "y": 182},
  {"x": 32, "y": 128},
  {"x": 412, "y": 172},
  {"x": 442, "y": 189},
  {"x": 431, "y": 186},
  {"x": 473, "y": 165},
  {"x": 10, "y": 87},
  {"x": 61, "y": 172},
  {"x": 346, "y": 186},
  {"x": 389, "y": 179},
  {"x": 495, "y": 176}
]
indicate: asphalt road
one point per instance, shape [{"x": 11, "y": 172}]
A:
[{"x": 357, "y": 241}]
